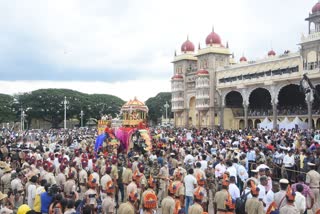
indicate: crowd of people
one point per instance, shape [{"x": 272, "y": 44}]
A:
[{"x": 187, "y": 171}]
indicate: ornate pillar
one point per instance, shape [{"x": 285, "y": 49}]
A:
[
  {"x": 199, "y": 119},
  {"x": 274, "y": 114},
  {"x": 186, "y": 118},
  {"x": 212, "y": 118},
  {"x": 222, "y": 117},
  {"x": 245, "y": 108}
]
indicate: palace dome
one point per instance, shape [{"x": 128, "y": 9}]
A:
[
  {"x": 187, "y": 46},
  {"x": 271, "y": 53},
  {"x": 243, "y": 59},
  {"x": 177, "y": 77},
  {"x": 316, "y": 8},
  {"x": 213, "y": 38},
  {"x": 202, "y": 72}
]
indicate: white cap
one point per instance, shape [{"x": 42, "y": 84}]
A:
[
  {"x": 284, "y": 181},
  {"x": 311, "y": 164},
  {"x": 172, "y": 153},
  {"x": 254, "y": 170}
]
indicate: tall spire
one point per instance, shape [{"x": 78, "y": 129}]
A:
[
  {"x": 227, "y": 45},
  {"x": 187, "y": 37},
  {"x": 212, "y": 28},
  {"x": 199, "y": 46},
  {"x": 175, "y": 53}
]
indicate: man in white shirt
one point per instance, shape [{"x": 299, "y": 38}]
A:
[
  {"x": 269, "y": 198},
  {"x": 233, "y": 189},
  {"x": 242, "y": 173},
  {"x": 232, "y": 170},
  {"x": 32, "y": 191},
  {"x": 262, "y": 187},
  {"x": 204, "y": 163},
  {"x": 189, "y": 158},
  {"x": 220, "y": 169},
  {"x": 300, "y": 200},
  {"x": 288, "y": 162},
  {"x": 190, "y": 183}
]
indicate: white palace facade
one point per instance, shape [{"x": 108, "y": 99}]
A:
[{"x": 209, "y": 89}]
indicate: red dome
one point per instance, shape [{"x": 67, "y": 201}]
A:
[
  {"x": 202, "y": 72},
  {"x": 243, "y": 59},
  {"x": 187, "y": 46},
  {"x": 316, "y": 8},
  {"x": 271, "y": 53},
  {"x": 213, "y": 38},
  {"x": 177, "y": 76}
]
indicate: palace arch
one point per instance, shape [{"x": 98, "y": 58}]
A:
[
  {"x": 291, "y": 101},
  {"x": 260, "y": 102}
]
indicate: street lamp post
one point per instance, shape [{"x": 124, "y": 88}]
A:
[
  {"x": 166, "y": 106},
  {"x": 23, "y": 115},
  {"x": 81, "y": 115},
  {"x": 65, "y": 112}
]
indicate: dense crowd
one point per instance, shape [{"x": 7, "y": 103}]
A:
[{"x": 187, "y": 171}]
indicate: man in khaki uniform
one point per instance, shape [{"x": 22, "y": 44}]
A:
[
  {"x": 49, "y": 175},
  {"x": 6, "y": 180},
  {"x": 143, "y": 181},
  {"x": 280, "y": 197},
  {"x": 253, "y": 205},
  {"x": 313, "y": 180},
  {"x": 181, "y": 170},
  {"x": 104, "y": 180},
  {"x": 61, "y": 178},
  {"x": 83, "y": 179},
  {"x": 70, "y": 186},
  {"x": 220, "y": 198},
  {"x": 114, "y": 171},
  {"x": 130, "y": 207},
  {"x": 173, "y": 161},
  {"x": 179, "y": 195},
  {"x": 108, "y": 203},
  {"x": 196, "y": 208},
  {"x": 101, "y": 161},
  {"x": 135, "y": 163},
  {"x": 133, "y": 186},
  {"x": 126, "y": 179},
  {"x": 152, "y": 185},
  {"x": 168, "y": 203},
  {"x": 164, "y": 178},
  {"x": 289, "y": 207}
]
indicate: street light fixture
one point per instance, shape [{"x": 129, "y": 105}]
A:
[
  {"x": 23, "y": 115},
  {"x": 65, "y": 102},
  {"x": 81, "y": 115},
  {"x": 166, "y": 106}
]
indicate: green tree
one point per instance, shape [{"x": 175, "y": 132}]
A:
[
  {"x": 156, "y": 106},
  {"x": 47, "y": 104},
  {"x": 102, "y": 104},
  {"x": 7, "y": 111}
]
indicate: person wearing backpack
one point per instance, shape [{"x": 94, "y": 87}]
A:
[
  {"x": 253, "y": 205},
  {"x": 241, "y": 201}
]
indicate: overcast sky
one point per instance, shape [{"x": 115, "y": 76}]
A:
[{"x": 125, "y": 47}]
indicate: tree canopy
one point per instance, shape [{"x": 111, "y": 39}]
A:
[
  {"x": 48, "y": 105},
  {"x": 7, "y": 111},
  {"x": 156, "y": 106}
]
